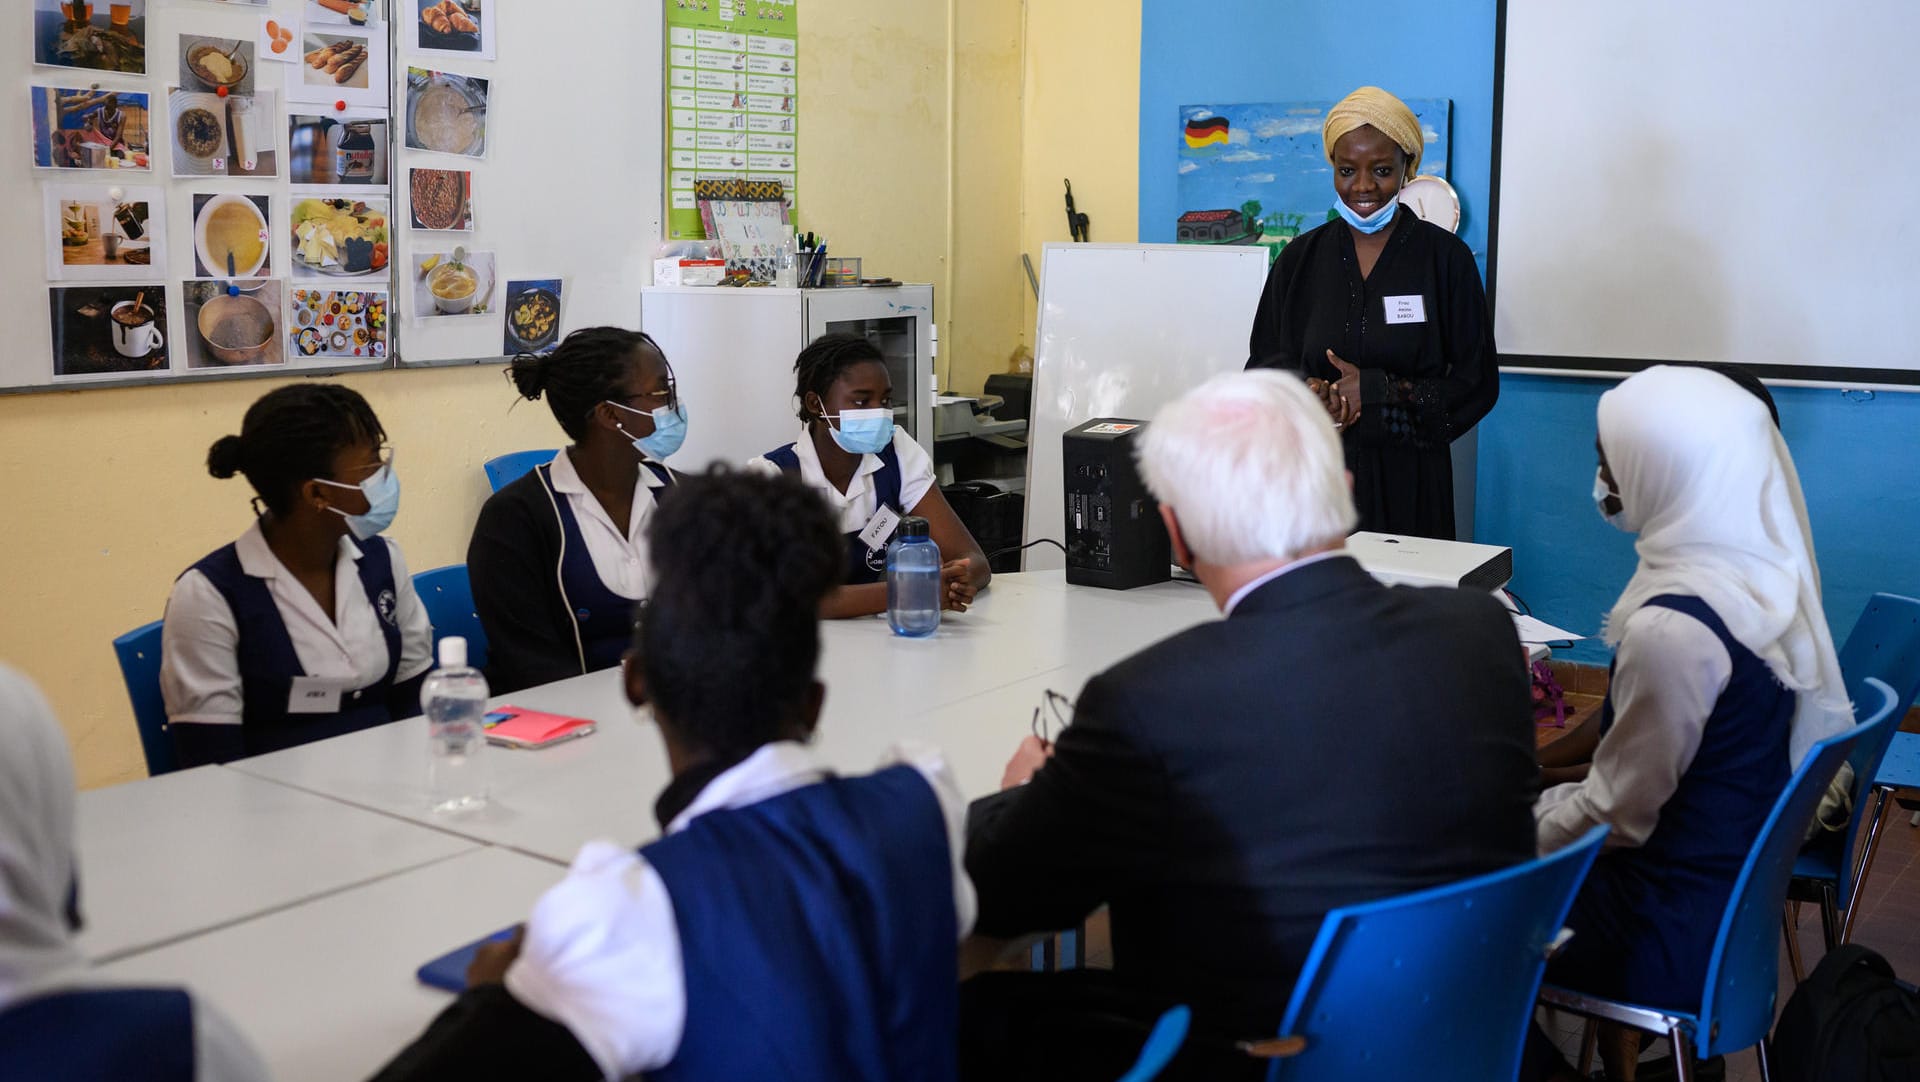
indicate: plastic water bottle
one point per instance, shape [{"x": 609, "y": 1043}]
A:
[
  {"x": 454, "y": 699},
  {"x": 913, "y": 580}
]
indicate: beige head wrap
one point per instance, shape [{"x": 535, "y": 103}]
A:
[{"x": 1387, "y": 114}]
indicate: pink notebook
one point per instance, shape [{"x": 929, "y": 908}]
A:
[{"x": 516, "y": 727}]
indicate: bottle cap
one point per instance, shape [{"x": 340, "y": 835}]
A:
[
  {"x": 912, "y": 527},
  {"x": 453, "y": 652}
]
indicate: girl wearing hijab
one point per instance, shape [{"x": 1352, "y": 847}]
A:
[
  {"x": 54, "y": 1023},
  {"x": 1724, "y": 676},
  {"x": 307, "y": 626},
  {"x": 1385, "y": 317},
  {"x": 559, "y": 557}
]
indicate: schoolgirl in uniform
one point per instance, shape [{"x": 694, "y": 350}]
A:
[
  {"x": 871, "y": 474},
  {"x": 559, "y": 557},
  {"x": 307, "y": 626}
]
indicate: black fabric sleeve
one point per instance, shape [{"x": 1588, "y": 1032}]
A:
[
  {"x": 487, "y": 1034},
  {"x": 198, "y": 744},
  {"x": 1442, "y": 408},
  {"x": 530, "y": 638},
  {"x": 403, "y": 699},
  {"x": 1088, "y": 826},
  {"x": 1266, "y": 347}
]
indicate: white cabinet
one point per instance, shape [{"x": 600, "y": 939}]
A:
[{"x": 732, "y": 352}]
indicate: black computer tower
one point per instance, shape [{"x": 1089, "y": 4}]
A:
[{"x": 1115, "y": 537}]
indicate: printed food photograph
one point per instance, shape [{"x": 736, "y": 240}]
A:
[
  {"x": 456, "y": 283},
  {"x": 446, "y": 113},
  {"x": 341, "y": 12},
  {"x": 330, "y": 323},
  {"x": 231, "y": 136},
  {"x": 336, "y": 238},
  {"x": 99, "y": 330},
  {"x": 213, "y": 64},
  {"x": 102, "y": 37},
  {"x": 334, "y": 60},
  {"x": 90, "y": 129},
  {"x": 349, "y": 148},
  {"x": 103, "y": 235},
  {"x": 451, "y": 25},
  {"x": 533, "y": 316},
  {"x": 232, "y": 323},
  {"x": 230, "y": 236},
  {"x": 441, "y": 199}
]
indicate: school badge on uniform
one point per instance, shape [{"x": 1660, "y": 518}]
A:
[{"x": 385, "y": 604}]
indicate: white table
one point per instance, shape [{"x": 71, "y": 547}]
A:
[
  {"x": 326, "y": 989},
  {"x": 880, "y": 689},
  {"x": 182, "y": 853}
]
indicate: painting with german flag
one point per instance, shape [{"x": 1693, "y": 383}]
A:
[{"x": 1256, "y": 174}]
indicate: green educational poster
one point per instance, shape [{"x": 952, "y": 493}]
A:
[{"x": 733, "y": 99}]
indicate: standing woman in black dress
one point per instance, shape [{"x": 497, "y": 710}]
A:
[{"x": 1385, "y": 317}]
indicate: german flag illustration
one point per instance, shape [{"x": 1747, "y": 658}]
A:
[{"x": 1207, "y": 132}]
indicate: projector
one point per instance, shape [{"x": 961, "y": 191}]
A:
[{"x": 1422, "y": 561}]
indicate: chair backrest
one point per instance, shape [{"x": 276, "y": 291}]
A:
[
  {"x": 448, "y": 596},
  {"x": 507, "y": 469},
  {"x": 139, "y": 654},
  {"x": 1743, "y": 977},
  {"x": 1444, "y": 978},
  {"x": 1169, "y": 1033},
  {"x": 1884, "y": 645}
]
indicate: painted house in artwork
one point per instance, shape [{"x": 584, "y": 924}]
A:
[{"x": 1215, "y": 227}]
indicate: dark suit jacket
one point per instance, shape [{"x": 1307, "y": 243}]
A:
[{"x": 1333, "y": 741}]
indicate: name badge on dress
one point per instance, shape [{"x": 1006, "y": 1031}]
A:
[
  {"x": 314, "y": 695},
  {"x": 1411, "y": 308},
  {"x": 879, "y": 528}
]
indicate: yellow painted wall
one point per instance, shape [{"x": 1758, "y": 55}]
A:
[
  {"x": 1080, "y": 122},
  {"x": 914, "y": 108}
]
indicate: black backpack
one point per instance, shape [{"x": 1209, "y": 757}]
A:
[{"x": 1849, "y": 1021}]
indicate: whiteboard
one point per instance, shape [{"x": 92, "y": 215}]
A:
[
  {"x": 1723, "y": 180},
  {"x": 1125, "y": 329},
  {"x": 571, "y": 187}
]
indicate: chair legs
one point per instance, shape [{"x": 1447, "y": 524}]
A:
[
  {"x": 1876, "y": 819},
  {"x": 1766, "y": 1060},
  {"x": 1830, "y": 918},
  {"x": 1589, "y": 1036},
  {"x": 1793, "y": 947},
  {"x": 1682, "y": 1040}
]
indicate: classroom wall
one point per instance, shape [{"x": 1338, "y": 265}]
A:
[
  {"x": 1856, "y": 453},
  {"x": 107, "y": 497}
]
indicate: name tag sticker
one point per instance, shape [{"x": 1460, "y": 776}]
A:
[
  {"x": 879, "y": 529},
  {"x": 313, "y": 695},
  {"x": 1408, "y": 309}
]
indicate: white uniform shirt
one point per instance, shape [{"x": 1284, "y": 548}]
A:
[
  {"x": 857, "y": 504},
  {"x": 620, "y": 556},
  {"x": 1670, "y": 671},
  {"x": 199, "y": 644},
  {"x": 602, "y": 950}
]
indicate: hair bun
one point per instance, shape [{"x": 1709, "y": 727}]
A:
[
  {"x": 529, "y": 375},
  {"x": 224, "y": 458}
]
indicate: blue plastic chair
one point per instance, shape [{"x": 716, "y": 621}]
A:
[
  {"x": 1169, "y": 1033},
  {"x": 1439, "y": 983},
  {"x": 139, "y": 654},
  {"x": 448, "y": 596},
  {"x": 1884, "y": 645},
  {"x": 507, "y": 469},
  {"x": 1743, "y": 976}
]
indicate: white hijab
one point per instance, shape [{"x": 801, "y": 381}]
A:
[
  {"x": 36, "y": 841},
  {"x": 1707, "y": 482}
]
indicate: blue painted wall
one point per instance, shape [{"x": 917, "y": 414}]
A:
[{"x": 1859, "y": 459}]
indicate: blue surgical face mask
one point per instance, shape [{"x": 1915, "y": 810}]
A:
[
  {"x": 383, "y": 502},
  {"x": 669, "y": 430},
  {"x": 1372, "y": 223},
  {"x": 861, "y": 432},
  {"x": 1602, "y": 492}
]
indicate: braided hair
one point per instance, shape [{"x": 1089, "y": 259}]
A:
[
  {"x": 583, "y": 372},
  {"x": 729, "y": 636},
  {"x": 290, "y": 436},
  {"x": 823, "y": 362}
]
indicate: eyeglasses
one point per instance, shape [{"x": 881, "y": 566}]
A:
[
  {"x": 668, "y": 398},
  {"x": 383, "y": 460},
  {"x": 1053, "y": 715}
]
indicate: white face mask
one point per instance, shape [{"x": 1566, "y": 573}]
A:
[{"x": 1602, "y": 492}]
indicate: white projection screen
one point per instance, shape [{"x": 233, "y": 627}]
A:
[{"x": 1710, "y": 181}]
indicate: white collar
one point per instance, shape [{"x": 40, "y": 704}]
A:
[
  {"x": 567, "y": 479},
  {"x": 1240, "y": 594},
  {"x": 776, "y": 768},
  {"x": 809, "y": 456},
  {"x": 258, "y": 561}
]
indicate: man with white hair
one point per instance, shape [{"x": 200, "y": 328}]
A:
[{"x": 1331, "y": 741}]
